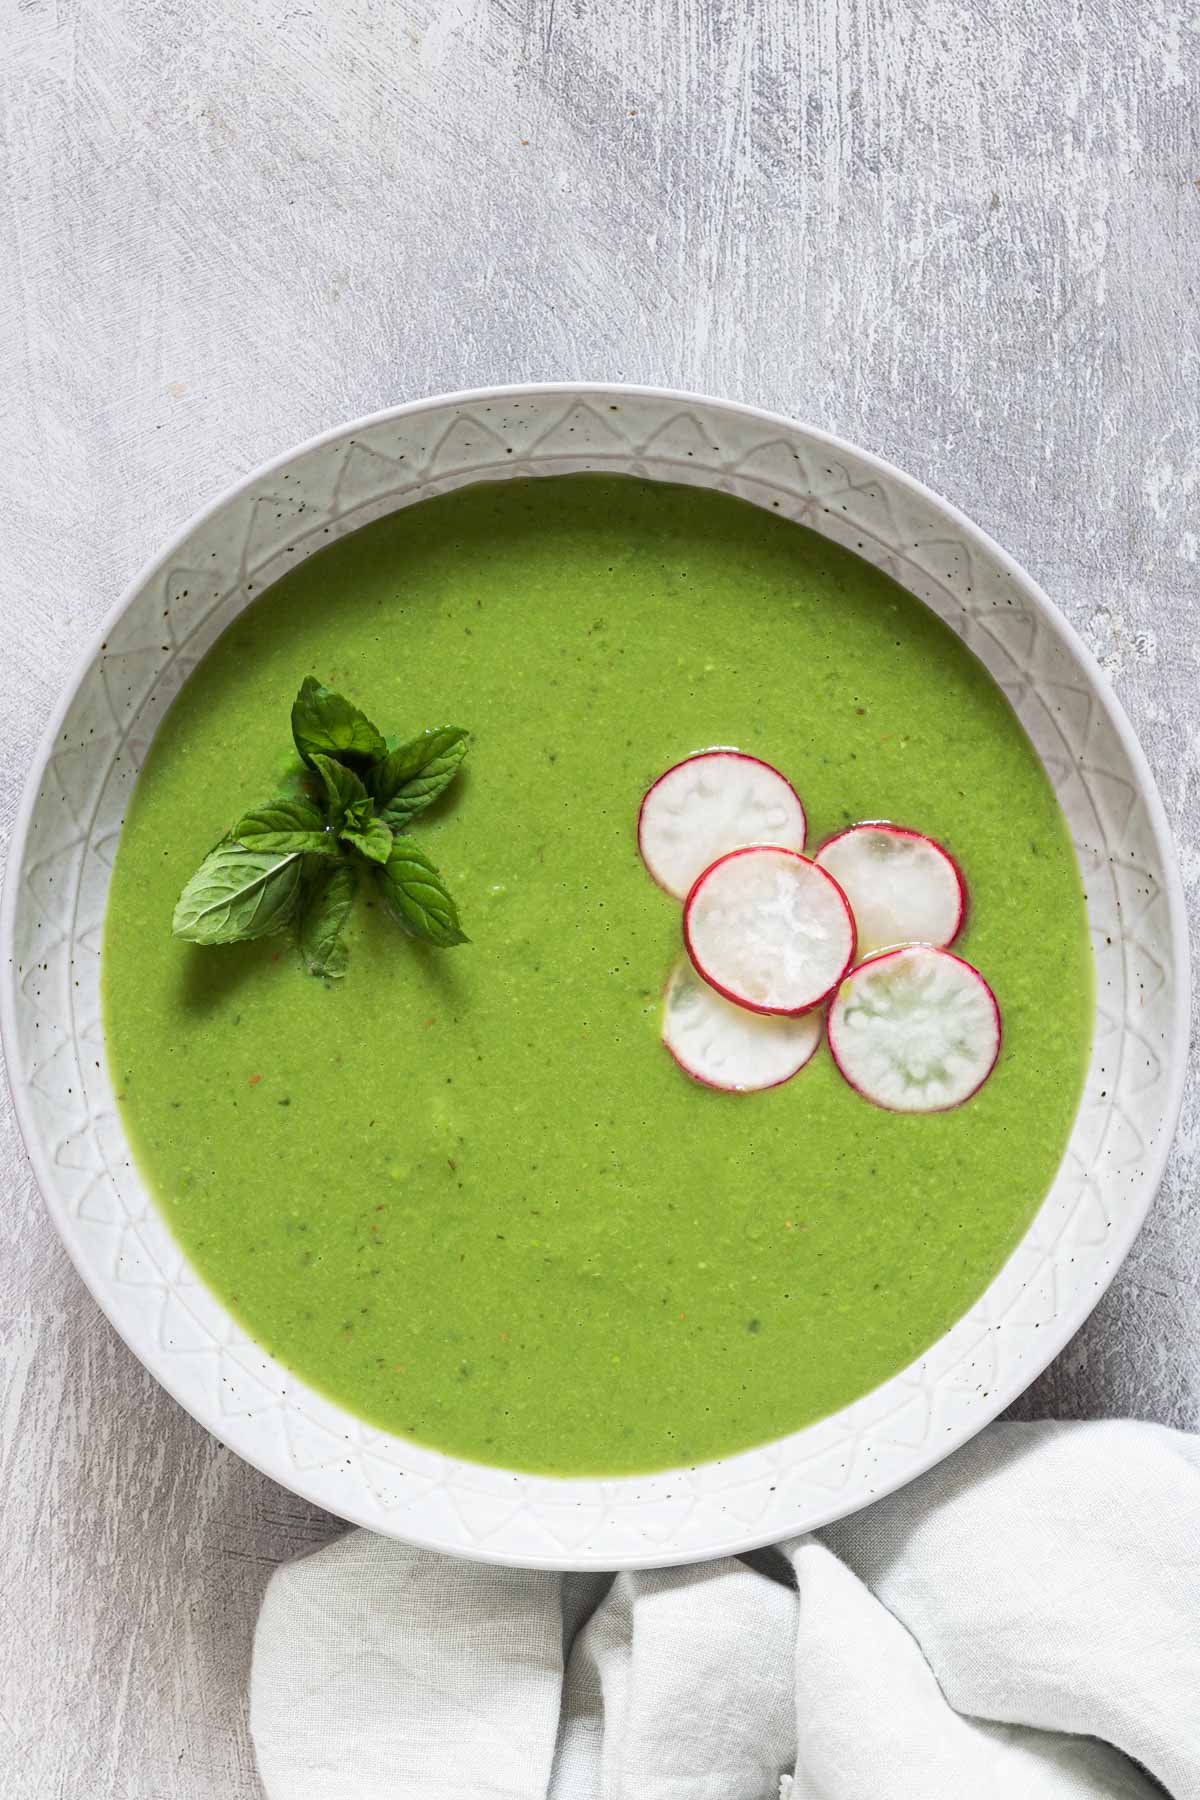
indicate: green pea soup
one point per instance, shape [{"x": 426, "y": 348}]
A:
[{"x": 467, "y": 1193}]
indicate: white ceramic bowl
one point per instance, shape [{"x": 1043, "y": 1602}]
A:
[{"x": 57, "y": 883}]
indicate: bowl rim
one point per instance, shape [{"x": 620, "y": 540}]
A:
[{"x": 1062, "y": 1328}]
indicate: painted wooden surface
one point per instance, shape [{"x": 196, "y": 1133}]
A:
[{"x": 965, "y": 236}]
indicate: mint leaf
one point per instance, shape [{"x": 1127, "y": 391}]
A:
[
  {"x": 290, "y": 822},
  {"x": 373, "y": 838},
  {"x": 361, "y": 828},
  {"x": 325, "y": 903},
  {"x": 416, "y": 896},
  {"x": 324, "y": 723},
  {"x": 238, "y": 893},
  {"x": 411, "y": 777},
  {"x": 343, "y": 789}
]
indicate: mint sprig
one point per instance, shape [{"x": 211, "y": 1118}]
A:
[{"x": 295, "y": 861}]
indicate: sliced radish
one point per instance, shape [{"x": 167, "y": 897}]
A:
[
  {"x": 723, "y": 1045},
  {"x": 902, "y": 887},
  {"x": 915, "y": 1030},
  {"x": 715, "y": 801},
  {"x": 769, "y": 930}
]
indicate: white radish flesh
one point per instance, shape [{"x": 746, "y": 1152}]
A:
[
  {"x": 724, "y": 1046},
  {"x": 715, "y": 801},
  {"x": 769, "y": 930},
  {"x": 902, "y": 887},
  {"x": 915, "y": 1030}
]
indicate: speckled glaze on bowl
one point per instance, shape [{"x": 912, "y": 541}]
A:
[{"x": 56, "y": 890}]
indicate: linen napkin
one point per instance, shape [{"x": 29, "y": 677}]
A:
[{"x": 1022, "y": 1623}]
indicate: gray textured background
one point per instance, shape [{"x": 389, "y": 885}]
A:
[{"x": 963, "y": 235}]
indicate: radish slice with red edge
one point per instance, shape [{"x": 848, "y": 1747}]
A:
[
  {"x": 724, "y": 1046},
  {"x": 915, "y": 1030},
  {"x": 769, "y": 930},
  {"x": 902, "y": 887},
  {"x": 715, "y": 801}
]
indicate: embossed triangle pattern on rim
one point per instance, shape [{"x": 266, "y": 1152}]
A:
[{"x": 66, "y": 1107}]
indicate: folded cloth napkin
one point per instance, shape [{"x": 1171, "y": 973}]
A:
[{"x": 1023, "y": 1623}]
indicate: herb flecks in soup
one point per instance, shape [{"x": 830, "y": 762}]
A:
[{"x": 469, "y": 1196}]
